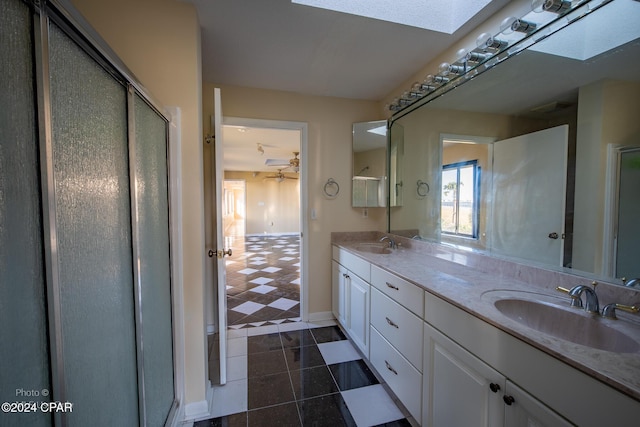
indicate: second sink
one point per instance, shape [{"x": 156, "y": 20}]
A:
[
  {"x": 566, "y": 324},
  {"x": 373, "y": 248}
]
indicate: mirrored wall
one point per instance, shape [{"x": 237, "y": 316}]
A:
[{"x": 532, "y": 156}]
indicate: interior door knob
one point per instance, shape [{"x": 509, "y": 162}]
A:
[
  {"x": 222, "y": 253},
  {"x": 553, "y": 235}
]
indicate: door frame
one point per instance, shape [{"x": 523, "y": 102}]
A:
[{"x": 302, "y": 127}]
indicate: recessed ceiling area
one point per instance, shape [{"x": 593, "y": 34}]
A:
[
  {"x": 445, "y": 16},
  {"x": 284, "y": 46}
]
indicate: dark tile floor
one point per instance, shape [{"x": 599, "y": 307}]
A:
[
  {"x": 263, "y": 280},
  {"x": 310, "y": 377}
]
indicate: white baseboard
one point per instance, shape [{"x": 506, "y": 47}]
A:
[
  {"x": 196, "y": 410},
  {"x": 320, "y": 316}
]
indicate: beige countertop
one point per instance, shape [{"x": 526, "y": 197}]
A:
[{"x": 469, "y": 282}]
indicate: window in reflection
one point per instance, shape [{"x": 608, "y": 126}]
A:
[{"x": 460, "y": 199}]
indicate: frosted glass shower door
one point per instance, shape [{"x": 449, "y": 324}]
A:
[
  {"x": 24, "y": 356},
  {"x": 152, "y": 212},
  {"x": 93, "y": 221}
]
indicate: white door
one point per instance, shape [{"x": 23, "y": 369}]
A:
[
  {"x": 529, "y": 186},
  {"x": 459, "y": 388},
  {"x": 220, "y": 251},
  {"x": 358, "y": 317}
]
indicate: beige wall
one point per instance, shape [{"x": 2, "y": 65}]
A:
[
  {"x": 271, "y": 207},
  {"x": 328, "y": 155},
  {"x": 607, "y": 114},
  {"x": 159, "y": 41}
]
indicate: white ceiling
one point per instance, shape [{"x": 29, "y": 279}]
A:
[
  {"x": 276, "y": 44},
  {"x": 241, "y": 147}
]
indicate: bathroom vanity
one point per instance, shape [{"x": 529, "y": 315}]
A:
[{"x": 461, "y": 338}]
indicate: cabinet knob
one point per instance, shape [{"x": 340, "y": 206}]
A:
[
  {"x": 509, "y": 400},
  {"x": 494, "y": 387}
]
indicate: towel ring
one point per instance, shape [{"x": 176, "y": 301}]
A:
[
  {"x": 422, "y": 188},
  {"x": 331, "y": 188}
]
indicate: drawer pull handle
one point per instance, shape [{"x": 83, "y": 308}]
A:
[
  {"x": 392, "y": 286},
  {"x": 509, "y": 400},
  {"x": 494, "y": 387},
  {"x": 391, "y": 323},
  {"x": 389, "y": 367}
]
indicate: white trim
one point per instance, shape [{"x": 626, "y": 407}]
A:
[
  {"x": 197, "y": 410},
  {"x": 304, "y": 226},
  {"x": 175, "y": 209}
]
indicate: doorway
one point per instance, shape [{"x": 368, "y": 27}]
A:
[{"x": 264, "y": 176}]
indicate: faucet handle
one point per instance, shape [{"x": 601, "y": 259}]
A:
[
  {"x": 609, "y": 310},
  {"x": 575, "y": 300}
]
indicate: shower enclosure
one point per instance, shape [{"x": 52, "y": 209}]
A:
[{"x": 85, "y": 280}]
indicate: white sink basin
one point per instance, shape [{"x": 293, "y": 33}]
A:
[
  {"x": 373, "y": 248},
  {"x": 567, "y": 323}
]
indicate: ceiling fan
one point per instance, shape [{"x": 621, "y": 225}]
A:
[
  {"x": 284, "y": 163},
  {"x": 279, "y": 177}
]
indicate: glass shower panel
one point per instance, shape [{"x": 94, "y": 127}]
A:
[
  {"x": 154, "y": 260},
  {"x": 24, "y": 356},
  {"x": 90, "y": 155}
]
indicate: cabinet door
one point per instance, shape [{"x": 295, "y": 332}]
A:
[
  {"x": 358, "y": 303},
  {"x": 339, "y": 293},
  {"x": 459, "y": 389},
  {"x": 523, "y": 410}
]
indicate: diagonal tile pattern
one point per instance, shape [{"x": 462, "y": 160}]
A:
[{"x": 263, "y": 280}]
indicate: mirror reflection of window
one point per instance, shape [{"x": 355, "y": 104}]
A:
[{"x": 460, "y": 199}]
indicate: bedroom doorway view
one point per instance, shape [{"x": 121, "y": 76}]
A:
[{"x": 262, "y": 225}]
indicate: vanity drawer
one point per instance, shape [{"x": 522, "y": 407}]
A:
[
  {"x": 398, "y": 325},
  {"x": 398, "y": 373},
  {"x": 407, "y": 294},
  {"x": 352, "y": 262}
]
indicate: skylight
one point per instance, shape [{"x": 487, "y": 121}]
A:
[
  {"x": 616, "y": 24},
  {"x": 444, "y": 16}
]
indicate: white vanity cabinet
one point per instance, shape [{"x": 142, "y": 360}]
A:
[
  {"x": 351, "y": 296},
  {"x": 461, "y": 390},
  {"x": 545, "y": 391}
]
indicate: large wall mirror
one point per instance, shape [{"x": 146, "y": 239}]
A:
[{"x": 538, "y": 157}]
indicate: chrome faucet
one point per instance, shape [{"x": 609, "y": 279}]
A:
[
  {"x": 633, "y": 283},
  {"x": 591, "y": 300},
  {"x": 392, "y": 243}
]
